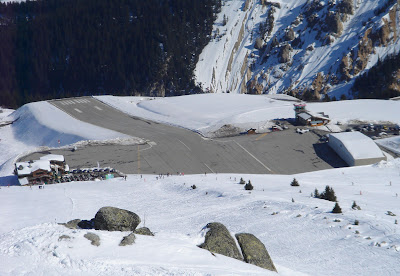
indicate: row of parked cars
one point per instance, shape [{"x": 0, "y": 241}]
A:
[
  {"x": 372, "y": 127},
  {"x": 89, "y": 174}
]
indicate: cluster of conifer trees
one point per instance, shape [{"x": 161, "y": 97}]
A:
[
  {"x": 375, "y": 84},
  {"x": 62, "y": 48}
]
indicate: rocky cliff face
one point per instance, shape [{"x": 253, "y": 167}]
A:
[{"x": 298, "y": 46}]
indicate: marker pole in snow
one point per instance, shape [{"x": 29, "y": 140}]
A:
[{"x": 138, "y": 158}]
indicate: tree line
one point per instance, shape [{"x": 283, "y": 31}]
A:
[{"x": 62, "y": 48}]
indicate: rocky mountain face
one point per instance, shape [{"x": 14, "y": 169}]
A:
[{"x": 306, "y": 48}]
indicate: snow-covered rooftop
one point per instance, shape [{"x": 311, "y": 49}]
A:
[
  {"x": 305, "y": 116},
  {"x": 26, "y": 168},
  {"x": 359, "y": 145},
  {"x": 53, "y": 157}
]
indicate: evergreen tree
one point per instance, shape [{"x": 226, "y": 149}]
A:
[
  {"x": 126, "y": 46},
  {"x": 337, "y": 209},
  {"x": 294, "y": 182},
  {"x": 328, "y": 194},
  {"x": 248, "y": 186},
  {"x": 316, "y": 193}
]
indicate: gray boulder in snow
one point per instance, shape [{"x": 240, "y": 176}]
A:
[
  {"x": 144, "y": 231},
  {"x": 219, "y": 240},
  {"x": 95, "y": 239},
  {"x": 72, "y": 224},
  {"x": 128, "y": 240},
  {"x": 254, "y": 251},
  {"x": 115, "y": 219}
]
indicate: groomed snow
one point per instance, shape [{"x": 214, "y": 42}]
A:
[{"x": 303, "y": 237}]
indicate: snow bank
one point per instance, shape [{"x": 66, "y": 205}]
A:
[
  {"x": 206, "y": 112},
  {"x": 360, "y": 110},
  {"x": 41, "y": 124},
  {"x": 392, "y": 144}
]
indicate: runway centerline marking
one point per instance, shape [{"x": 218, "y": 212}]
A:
[
  {"x": 255, "y": 158},
  {"x": 261, "y": 136},
  {"x": 184, "y": 145},
  {"x": 208, "y": 167},
  {"x": 98, "y": 108},
  {"x": 77, "y": 110}
]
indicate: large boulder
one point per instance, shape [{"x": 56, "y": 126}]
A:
[
  {"x": 219, "y": 240},
  {"x": 254, "y": 251},
  {"x": 115, "y": 219}
]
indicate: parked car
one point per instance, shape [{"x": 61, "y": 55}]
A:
[{"x": 302, "y": 131}]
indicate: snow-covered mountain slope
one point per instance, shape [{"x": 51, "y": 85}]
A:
[
  {"x": 303, "y": 237},
  {"x": 297, "y": 46}
]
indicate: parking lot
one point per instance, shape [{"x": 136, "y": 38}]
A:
[{"x": 375, "y": 131}]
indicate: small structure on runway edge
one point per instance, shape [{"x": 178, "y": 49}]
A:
[{"x": 307, "y": 118}]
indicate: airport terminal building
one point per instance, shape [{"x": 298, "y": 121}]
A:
[{"x": 355, "y": 148}]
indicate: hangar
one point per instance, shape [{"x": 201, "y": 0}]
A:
[{"x": 355, "y": 148}]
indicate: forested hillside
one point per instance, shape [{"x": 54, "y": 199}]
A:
[
  {"x": 382, "y": 81},
  {"x": 62, "y": 48}
]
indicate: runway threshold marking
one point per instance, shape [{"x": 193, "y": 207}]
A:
[
  {"x": 77, "y": 110},
  {"x": 98, "y": 108},
  {"x": 255, "y": 158},
  {"x": 261, "y": 136},
  {"x": 184, "y": 145}
]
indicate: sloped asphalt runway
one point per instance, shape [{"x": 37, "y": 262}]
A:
[{"x": 173, "y": 149}]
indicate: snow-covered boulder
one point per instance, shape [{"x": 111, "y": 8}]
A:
[{"x": 115, "y": 219}]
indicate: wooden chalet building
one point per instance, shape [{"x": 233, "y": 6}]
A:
[{"x": 41, "y": 171}]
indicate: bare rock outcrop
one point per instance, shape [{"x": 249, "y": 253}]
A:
[
  {"x": 95, "y": 239},
  {"x": 128, "y": 240},
  {"x": 284, "y": 54},
  {"x": 115, "y": 219},
  {"x": 143, "y": 231},
  {"x": 219, "y": 240},
  {"x": 254, "y": 251}
]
